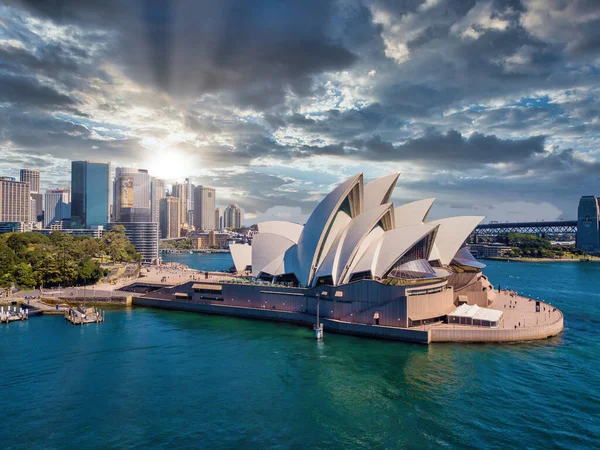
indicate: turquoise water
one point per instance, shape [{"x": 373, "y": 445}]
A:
[{"x": 150, "y": 379}]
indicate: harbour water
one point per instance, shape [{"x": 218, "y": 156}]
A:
[{"x": 149, "y": 378}]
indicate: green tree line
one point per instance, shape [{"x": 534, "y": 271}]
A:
[
  {"x": 31, "y": 259},
  {"x": 532, "y": 246}
]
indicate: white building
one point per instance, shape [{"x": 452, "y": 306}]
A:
[{"x": 58, "y": 205}]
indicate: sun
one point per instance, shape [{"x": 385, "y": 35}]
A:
[{"x": 167, "y": 164}]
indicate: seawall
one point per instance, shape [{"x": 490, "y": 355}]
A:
[
  {"x": 329, "y": 325},
  {"x": 469, "y": 334}
]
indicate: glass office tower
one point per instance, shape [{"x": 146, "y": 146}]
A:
[{"x": 90, "y": 192}]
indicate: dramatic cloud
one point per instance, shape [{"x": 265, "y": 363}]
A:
[{"x": 488, "y": 105}]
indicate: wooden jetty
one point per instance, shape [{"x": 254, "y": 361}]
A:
[
  {"x": 7, "y": 315},
  {"x": 82, "y": 315}
]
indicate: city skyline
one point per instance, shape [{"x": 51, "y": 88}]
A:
[{"x": 477, "y": 103}]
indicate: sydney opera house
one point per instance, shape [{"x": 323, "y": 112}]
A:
[{"x": 372, "y": 269}]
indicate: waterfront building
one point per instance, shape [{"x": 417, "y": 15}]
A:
[
  {"x": 131, "y": 195},
  {"x": 219, "y": 219},
  {"x": 15, "y": 200},
  {"x": 232, "y": 217},
  {"x": 588, "y": 224},
  {"x": 58, "y": 206},
  {"x": 204, "y": 208},
  {"x": 90, "y": 193},
  {"x": 169, "y": 218},
  {"x": 210, "y": 239},
  {"x": 489, "y": 250},
  {"x": 180, "y": 191},
  {"x": 363, "y": 256},
  {"x": 368, "y": 268},
  {"x": 144, "y": 237},
  {"x": 158, "y": 192}
]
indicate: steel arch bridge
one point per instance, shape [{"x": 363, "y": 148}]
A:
[{"x": 537, "y": 228}]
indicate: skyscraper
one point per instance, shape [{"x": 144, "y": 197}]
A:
[
  {"x": 90, "y": 191},
  {"x": 15, "y": 202},
  {"x": 588, "y": 224},
  {"x": 58, "y": 205},
  {"x": 169, "y": 218},
  {"x": 204, "y": 208},
  {"x": 232, "y": 218},
  {"x": 33, "y": 178},
  {"x": 190, "y": 201},
  {"x": 131, "y": 195},
  {"x": 157, "y": 193},
  {"x": 181, "y": 192},
  {"x": 219, "y": 219}
]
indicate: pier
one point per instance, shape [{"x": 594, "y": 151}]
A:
[
  {"x": 82, "y": 315},
  {"x": 7, "y": 315}
]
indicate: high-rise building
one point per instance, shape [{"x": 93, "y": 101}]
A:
[
  {"x": 33, "y": 178},
  {"x": 190, "y": 201},
  {"x": 157, "y": 193},
  {"x": 144, "y": 237},
  {"x": 58, "y": 206},
  {"x": 588, "y": 224},
  {"x": 218, "y": 219},
  {"x": 204, "y": 208},
  {"x": 232, "y": 217},
  {"x": 15, "y": 200},
  {"x": 90, "y": 193},
  {"x": 181, "y": 192},
  {"x": 38, "y": 211},
  {"x": 170, "y": 227},
  {"x": 131, "y": 195}
]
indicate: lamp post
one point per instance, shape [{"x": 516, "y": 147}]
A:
[{"x": 318, "y": 327}]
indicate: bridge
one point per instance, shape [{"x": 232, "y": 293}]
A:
[{"x": 537, "y": 228}]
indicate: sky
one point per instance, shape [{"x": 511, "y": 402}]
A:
[{"x": 492, "y": 107}]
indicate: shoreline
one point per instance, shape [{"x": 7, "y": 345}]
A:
[{"x": 543, "y": 260}]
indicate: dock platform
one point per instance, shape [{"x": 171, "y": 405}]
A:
[
  {"x": 7, "y": 316},
  {"x": 82, "y": 315}
]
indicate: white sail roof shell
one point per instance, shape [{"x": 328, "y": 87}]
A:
[
  {"x": 451, "y": 235},
  {"x": 413, "y": 213},
  {"x": 390, "y": 247},
  {"x": 314, "y": 234},
  {"x": 379, "y": 191},
  {"x": 241, "y": 255},
  {"x": 275, "y": 267},
  {"x": 343, "y": 251},
  {"x": 265, "y": 248},
  {"x": 289, "y": 230}
]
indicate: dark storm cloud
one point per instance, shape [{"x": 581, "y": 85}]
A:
[
  {"x": 438, "y": 150},
  {"x": 42, "y": 134},
  {"x": 448, "y": 86},
  {"x": 254, "y": 50},
  {"x": 28, "y": 92}
]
